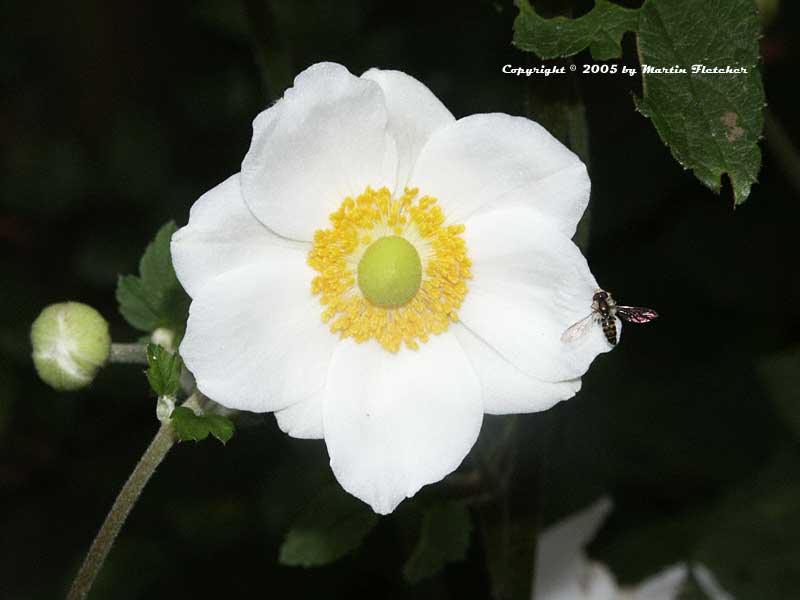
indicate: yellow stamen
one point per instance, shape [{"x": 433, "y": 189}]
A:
[{"x": 336, "y": 253}]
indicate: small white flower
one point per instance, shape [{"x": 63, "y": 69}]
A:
[
  {"x": 564, "y": 572},
  {"x": 381, "y": 275}
]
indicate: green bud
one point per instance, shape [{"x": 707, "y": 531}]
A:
[{"x": 70, "y": 343}]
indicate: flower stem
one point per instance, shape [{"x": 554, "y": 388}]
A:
[
  {"x": 509, "y": 520},
  {"x": 162, "y": 442},
  {"x": 128, "y": 353}
]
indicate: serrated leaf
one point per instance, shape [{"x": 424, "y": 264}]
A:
[
  {"x": 189, "y": 426},
  {"x": 446, "y": 530},
  {"x": 600, "y": 30},
  {"x": 163, "y": 371},
  {"x": 156, "y": 262},
  {"x": 155, "y": 298},
  {"x": 220, "y": 427},
  {"x": 332, "y": 525},
  {"x": 135, "y": 304},
  {"x": 711, "y": 122}
]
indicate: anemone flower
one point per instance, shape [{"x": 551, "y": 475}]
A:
[{"x": 380, "y": 275}]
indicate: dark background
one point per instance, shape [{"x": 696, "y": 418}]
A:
[{"x": 116, "y": 116}]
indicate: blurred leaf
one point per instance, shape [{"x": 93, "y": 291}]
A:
[
  {"x": 781, "y": 373},
  {"x": 711, "y": 122},
  {"x": 445, "y": 535},
  {"x": 332, "y": 525},
  {"x": 155, "y": 298},
  {"x": 753, "y": 546},
  {"x": 600, "y": 30},
  {"x": 189, "y": 426},
  {"x": 163, "y": 371},
  {"x": 748, "y": 540}
]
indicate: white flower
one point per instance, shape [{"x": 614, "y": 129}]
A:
[
  {"x": 564, "y": 572},
  {"x": 709, "y": 584},
  {"x": 389, "y": 349}
]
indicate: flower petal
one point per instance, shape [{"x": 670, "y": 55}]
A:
[
  {"x": 254, "y": 340},
  {"x": 486, "y": 161},
  {"x": 303, "y": 419},
  {"x": 530, "y": 283},
  {"x": 414, "y": 114},
  {"x": 222, "y": 235},
  {"x": 665, "y": 585},
  {"x": 326, "y": 139},
  {"x": 506, "y": 389},
  {"x": 709, "y": 584},
  {"x": 395, "y": 422},
  {"x": 561, "y": 563}
]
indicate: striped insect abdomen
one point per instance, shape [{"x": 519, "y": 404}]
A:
[{"x": 610, "y": 330}]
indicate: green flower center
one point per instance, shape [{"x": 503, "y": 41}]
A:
[{"x": 390, "y": 272}]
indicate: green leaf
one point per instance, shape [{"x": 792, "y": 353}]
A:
[
  {"x": 600, "y": 30},
  {"x": 163, "y": 371},
  {"x": 446, "y": 530},
  {"x": 155, "y": 298},
  {"x": 332, "y": 525},
  {"x": 134, "y": 304},
  {"x": 220, "y": 427},
  {"x": 711, "y": 122},
  {"x": 189, "y": 426}
]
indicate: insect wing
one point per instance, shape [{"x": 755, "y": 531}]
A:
[
  {"x": 636, "y": 314},
  {"x": 578, "y": 330}
]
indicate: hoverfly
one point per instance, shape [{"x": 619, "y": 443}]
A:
[{"x": 604, "y": 309}]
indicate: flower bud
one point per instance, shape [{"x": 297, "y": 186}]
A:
[
  {"x": 164, "y": 337},
  {"x": 164, "y": 407},
  {"x": 70, "y": 343}
]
